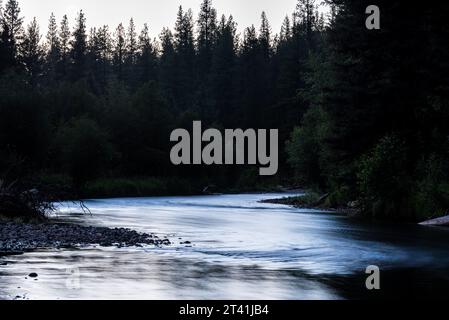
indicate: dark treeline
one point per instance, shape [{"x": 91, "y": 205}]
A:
[{"x": 363, "y": 114}]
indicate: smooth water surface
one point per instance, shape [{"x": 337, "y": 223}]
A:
[{"x": 240, "y": 249}]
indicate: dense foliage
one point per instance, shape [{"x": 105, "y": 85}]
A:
[{"x": 363, "y": 113}]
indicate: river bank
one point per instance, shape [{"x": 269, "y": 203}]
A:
[
  {"x": 121, "y": 187},
  {"x": 313, "y": 201},
  {"x": 17, "y": 238}
]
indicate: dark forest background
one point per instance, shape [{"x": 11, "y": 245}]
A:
[{"x": 363, "y": 114}]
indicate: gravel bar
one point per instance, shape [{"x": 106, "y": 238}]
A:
[{"x": 17, "y": 238}]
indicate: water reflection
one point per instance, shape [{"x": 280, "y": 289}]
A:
[{"x": 240, "y": 249}]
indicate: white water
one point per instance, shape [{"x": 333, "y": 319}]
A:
[{"x": 241, "y": 249}]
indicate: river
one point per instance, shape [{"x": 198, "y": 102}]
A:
[{"x": 237, "y": 248}]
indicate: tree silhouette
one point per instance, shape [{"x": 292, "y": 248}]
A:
[
  {"x": 12, "y": 31},
  {"x": 184, "y": 86},
  {"x": 119, "y": 51},
  {"x": 147, "y": 60},
  {"x": 365, "y": 113},
  {"x": 32, "y": 52},
  {"x": 79, "y": 48}
]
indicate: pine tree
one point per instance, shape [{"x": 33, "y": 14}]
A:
[
  {"x": 248, "y": 79},
  {"x": 79, "y": 48},
  {"x": 64, "y": 41},
  {"x": 131, "y": 42},
  {"x": 167, "y": 66},
  {"x": 52, "y": 38},
  {"x": 131, "y": 55},
  {"x": 53, "y": 49},
  {"x": 12, "y": 20},
  {"x": 147, "y": 59},
  {"x": 206, "y": 40},
  {"x": 104, "y": 52},
  {"x": 1, "y": 15},
  {"x": 305, "y": 18},
  {"x": 6, "y": 50},
  {"x": 288, "y": 62},
  {"x": 184, "y": 40},
  {"x": 31, "y": 51},
  {"x": 185, "y": 60},
  {"x": 207, "y": 33},
  {"x": 99, "y": 47},
  {"x": 286, "y": 30},
  {"x": 265, "y": 36},
  {"x": 223, "y": 72},
  {"x": 93, "y": 56},
  {"x": 119, "y": 51},
  {"x": 12, "y": 31}
]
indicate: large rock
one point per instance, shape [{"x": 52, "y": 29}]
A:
[{"x": 443, "y": 221}]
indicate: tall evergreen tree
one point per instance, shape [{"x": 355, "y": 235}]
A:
[
  {"x": 265, "y": 40},
  {"x": 97, "y": 57},
  {"x": 167, "y": 67},
  {"x": 131, "y": 54},
  {"x": 286, "y": 30},
  {"x": 12, "y": 31},
  {"x": 223, "y": 72},
  {"x": 206, "y": 40},
  {"x": 185, "y": 60},
  {"x": 305, "y": 17},
  {"x": 6, "y": 50},
  {"x": 52, "y": 39},
  {"x": 119, "y": 51},
  {"x": 65, "y": 39},
  {"x": 79, "y": 47},
  {"x": 248, "y": 79},
  {"x": 53, "y": 49},
  {"x": 207, "y": 33},
  {"x": 31, "y": 51},
  {"x": 147, "y": 59},
  {"x": 104, "y": 54},
  {"x": 131, "y": 42}
]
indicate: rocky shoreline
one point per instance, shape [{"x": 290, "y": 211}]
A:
[{"x": 17, "y": 238}]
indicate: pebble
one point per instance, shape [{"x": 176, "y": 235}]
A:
[{"x": 18, "y": 238}]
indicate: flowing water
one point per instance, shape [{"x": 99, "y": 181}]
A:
[{"x": 238, "y": 248}]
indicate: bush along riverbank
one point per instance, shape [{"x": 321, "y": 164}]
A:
[
  {"x": 354, "y": 209},
  {"x": 25, "y": 225}
]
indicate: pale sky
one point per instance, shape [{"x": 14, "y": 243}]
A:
[{"x": 157, "y": 13}]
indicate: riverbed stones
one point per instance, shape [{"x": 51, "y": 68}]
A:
[{"x": 16, "y": 238}]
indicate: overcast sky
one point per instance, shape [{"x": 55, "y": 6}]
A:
[{"x": 157, "y": 13}]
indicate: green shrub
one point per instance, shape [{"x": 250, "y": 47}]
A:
[
  {"x": 304, "y": 149},
  {"x": 431, "y": 197},
  {"x": 383, "y": 181},
  {"x": 339, "y": 197}
]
